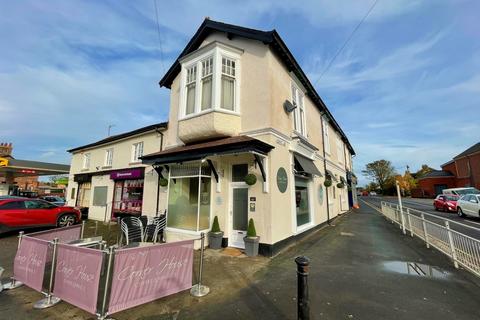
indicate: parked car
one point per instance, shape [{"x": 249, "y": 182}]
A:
[
  {"x": 446, "y": 202},
  {"x": 59, "y": 201},
  {"x": 469, "y": 205},
  {"x": 21, "y": 213},
  {"x": 461, "y": 191},
  {"x": 373, "y": 193}
]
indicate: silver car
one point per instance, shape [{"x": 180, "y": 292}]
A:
[{"x": 469, "y": 205}]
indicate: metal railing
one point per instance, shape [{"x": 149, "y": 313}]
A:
[{"x": 461, "y": 248}]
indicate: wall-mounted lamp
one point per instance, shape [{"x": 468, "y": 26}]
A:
[{"x": 288, "y": 106}]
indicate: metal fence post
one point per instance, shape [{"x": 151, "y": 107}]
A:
[
  {"x": 200, "y": 290},
  {"x": 50, "y": 300},
  {"x": 409, "y": 222},
  {"x": 82, "y": 229},
  {"x": 103, "y": 312},
  {"x": 303, "y": 305},
  {"x": 14, "y": 283},
  {"x": 425, "y": 234},
  {"x": 452, "y": 245}
]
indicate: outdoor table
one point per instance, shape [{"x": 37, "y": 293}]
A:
[{"x": 86, "y": 242}]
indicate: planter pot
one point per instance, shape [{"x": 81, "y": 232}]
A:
[
  {"x": 215, "y": 240},
  {"x": 251, "y": 246}
]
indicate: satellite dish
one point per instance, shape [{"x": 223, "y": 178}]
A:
[{"x": 288, "y": 106}]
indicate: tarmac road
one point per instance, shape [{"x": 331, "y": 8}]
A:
[{"x": 468, "y": 226}]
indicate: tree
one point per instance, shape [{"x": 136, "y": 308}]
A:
[
  {"x": 423, "y": 171},
  {"x": 380, "y": 171}
]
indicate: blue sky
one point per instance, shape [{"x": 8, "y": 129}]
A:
[{"x": 406, "y": 88}]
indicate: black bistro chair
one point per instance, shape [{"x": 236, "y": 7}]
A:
[
  {"x": 155, "y": 228},
  {"x": 132, "y": 229}
]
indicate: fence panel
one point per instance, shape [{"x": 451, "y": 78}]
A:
[
  {"x": 30, "y": 261},
  {"x": 65, "y": 234}
]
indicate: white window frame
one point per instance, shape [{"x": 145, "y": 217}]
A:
[
  {"x": 135, "y": 151},
  {"x": 326, "y": 136},
  {"x": 86, "y": 160},
  {"x": 108, "y": 157},
  {"x": 299, "y": 115},
  {"x": 340, "y": 150},
  {"x": 216, "y": 51}
]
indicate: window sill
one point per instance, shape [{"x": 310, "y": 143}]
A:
[
  {"x": 106, "y": 167},
  {"x": 84, "y": 170},
  {"x": 201, "y": 113},
  {"x": 133, "y": 163}
]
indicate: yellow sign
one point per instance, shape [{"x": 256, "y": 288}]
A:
[{"x": 3, "y": 162}]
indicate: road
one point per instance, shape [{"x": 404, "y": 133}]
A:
[{"x": 426, "y": 205}]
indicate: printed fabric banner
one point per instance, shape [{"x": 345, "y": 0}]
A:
[
  {"x": 65, "y": 234},
  {"x": 77, "y": 276},
  {"x": 29, "y": 263},
  {"x": 144, "y": 274}
]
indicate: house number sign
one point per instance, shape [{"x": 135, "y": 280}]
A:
[{"x": 282, "y": 180}]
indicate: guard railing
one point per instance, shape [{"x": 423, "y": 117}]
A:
[{"x": 437, "y": 232}]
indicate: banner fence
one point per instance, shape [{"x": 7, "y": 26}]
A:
[{"x": 30, "y": 261}]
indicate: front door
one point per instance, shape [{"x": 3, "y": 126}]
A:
[{"x": 239, "y": 216}]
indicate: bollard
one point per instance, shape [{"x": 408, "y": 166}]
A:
[
  {"x": 200, "y": 290},
  {"x": 82, "y": 229},
  {"x": 96, "y": 228},
  {"x": 14, "y": 283},
  {"x": 50, "y": 300},
  {"x": 303, "y": 306}
]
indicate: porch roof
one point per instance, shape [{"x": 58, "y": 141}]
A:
[{"x": 197, "y": 151}]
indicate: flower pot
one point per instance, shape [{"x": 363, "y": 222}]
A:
[
  {"x": 215, "y": 240},
  {"x": 251, "y": 246}
]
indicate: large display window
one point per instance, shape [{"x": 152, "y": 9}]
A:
[{"x": 128, "y": 197}]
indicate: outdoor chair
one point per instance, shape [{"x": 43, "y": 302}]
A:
[
  {"x": 155, "y": 228},
  {"x": 132, "y": 229}
]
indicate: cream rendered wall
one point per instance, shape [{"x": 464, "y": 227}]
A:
[{"x": 122, "y": 156}]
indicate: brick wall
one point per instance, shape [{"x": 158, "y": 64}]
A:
[{"x": 428, "y": 185}]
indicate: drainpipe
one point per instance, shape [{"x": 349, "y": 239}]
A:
[
  {"x": 158, "y": 179},
  {"x": 325, "y": 165}
]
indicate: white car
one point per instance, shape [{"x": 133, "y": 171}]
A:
[
  {"x": 461, "y": 191},
  {"x": 469, "y": 205}
]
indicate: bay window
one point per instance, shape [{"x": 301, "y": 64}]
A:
[{"x": 211, "y": 81}]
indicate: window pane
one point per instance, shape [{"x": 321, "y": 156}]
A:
[
  {"x": 190, "y": 99},
  {"x": 240, "y": 208},
  {"x": 183, "y": 203},
  {"x": 301, "y": 199},
  {"x": 100, "y": 196},
  {"x": 205, "y": 204},
  {"x": 228, "y": 93},
  {"x": 239, "y": 171},
  {"x": 207, "y": 93}
]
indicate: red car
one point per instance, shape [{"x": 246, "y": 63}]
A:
[
  {"x": 446, "y": 202},
  {"x": 20, "y": 213}
]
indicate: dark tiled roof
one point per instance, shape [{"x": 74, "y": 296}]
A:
[
  {"x": 37, "y": 165},
  {"x": 437, "y": 174},
  {"x": 161, "y": 125},
  {"x": 215, "y": 147},
  {"x": 473, "y": 149},
  {"x": 271, "y": 38}
]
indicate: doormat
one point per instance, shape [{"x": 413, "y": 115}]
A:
[{"x": 233, "y": 252}]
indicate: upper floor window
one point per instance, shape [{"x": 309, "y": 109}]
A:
[
  {"x": 109, "y": 157},
  {"x": 86, "y": 160},
  {"x": 326, "y": 136},
  {"x": 340, "y": 150},
  {"x": 210, "y": 80},
  {"x": 299, "y": 121},
  {"x": 137, "y": 151},
  {"x": 228, "y": 84}
]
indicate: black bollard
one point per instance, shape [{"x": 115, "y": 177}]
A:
[{"x": 303, "y": 305}]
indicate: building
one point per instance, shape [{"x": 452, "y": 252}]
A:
[
  {"x": 462, "y": 171},
  {"x": 240, "y": 104},
  {"x": 20, "y": 177},
  {"x": 108, "y": 178}
]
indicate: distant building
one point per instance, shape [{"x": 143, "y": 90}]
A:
[{"x": 462, "y": 171}]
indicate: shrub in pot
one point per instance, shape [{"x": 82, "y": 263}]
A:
[
  {"x": 340, "y": 185},
  {"x": 163, "y": 182},
  {"x": 327, "y": 183},
  {"x": 215, "y": 235},
  {"x": 250, "y": 179},
  {"x": 251, "y": 240}
]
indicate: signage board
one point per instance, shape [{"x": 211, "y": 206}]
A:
[{"x": 282, "y": 180}]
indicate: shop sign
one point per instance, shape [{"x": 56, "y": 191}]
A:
[
  {"x": 126, "y": 174},
  {"x": 3, "y": 162},
  {"x": 282, "y": 180}
]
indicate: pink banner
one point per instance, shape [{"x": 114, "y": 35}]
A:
[
  {"x": 77, "y": 276},
  {"x": 143, "y": 274},
  {"x": 65, "y": 234},
  {"x": 29, "y": 263}
]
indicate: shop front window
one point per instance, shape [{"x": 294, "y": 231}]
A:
[
  {"x": 189, "y": 198},
  {"x": 301, "y": 201},
  {"x": 128, "y": 197}
]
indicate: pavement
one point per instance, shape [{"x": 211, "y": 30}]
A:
[{"x": 362, "y": 267}]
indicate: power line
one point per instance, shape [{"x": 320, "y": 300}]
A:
[
  {"x": 159, "y": 36},
  {"x": 346, "y": 41}
]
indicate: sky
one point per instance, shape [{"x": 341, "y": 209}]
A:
[{"x": 406, "y": 87}]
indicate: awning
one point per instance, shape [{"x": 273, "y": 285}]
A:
[
  {"x": 330, "y": 173},
  {"x": 25, "y": 168},
  {"x": 306, "y": 165},
  {"x": 224, "y": 146}
]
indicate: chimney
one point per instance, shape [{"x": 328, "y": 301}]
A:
[{"x": 6, "y": 149}]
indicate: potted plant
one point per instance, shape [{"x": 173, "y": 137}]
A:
[
  {"x": 340, "y": 185},
  {"x": 250, "y": 179},
  {"x": 163, "y": 182},
  {"x": 327, "y": 183},
  {"x": 251, "y": 240},
  {"x": 215, "y": 235}
]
